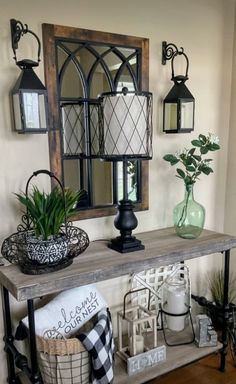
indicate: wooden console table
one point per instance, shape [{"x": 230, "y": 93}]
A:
[{"x": 98, "y": 263}]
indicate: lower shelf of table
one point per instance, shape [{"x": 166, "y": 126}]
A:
[{"x": 176, "y": 357}]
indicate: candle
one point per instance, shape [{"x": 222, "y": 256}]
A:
[
  {"x": 136, "y": 345},
  {"x": 176, "y": 296}
]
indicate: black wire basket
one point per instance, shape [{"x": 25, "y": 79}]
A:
[{"x": 38, "y": 256}]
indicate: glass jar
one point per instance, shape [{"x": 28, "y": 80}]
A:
[
  {"x": 189, "y": 216},
  {"x": 176, "y": 302}
]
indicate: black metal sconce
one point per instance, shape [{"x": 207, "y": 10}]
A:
[
  {"x": 179, "y": 104},
  {"x": 29, "y": 94},
  {"x": 126, "y": 135}
]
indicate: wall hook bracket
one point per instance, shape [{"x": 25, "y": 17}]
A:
[
  {"x": 18, "y": 30},
  {"x": 169, "y": 50}
]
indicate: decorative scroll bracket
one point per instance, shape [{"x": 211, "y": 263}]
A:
[
  {"x": 169, "y": 50},
  {"x": 18, "y": 29}
]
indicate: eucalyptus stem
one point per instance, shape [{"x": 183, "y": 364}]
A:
[{"x": 185, "y": 208}]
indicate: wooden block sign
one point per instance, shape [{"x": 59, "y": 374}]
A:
[{"x": 146, "y": 360}]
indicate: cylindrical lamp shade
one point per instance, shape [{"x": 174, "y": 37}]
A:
[{"x": 127, "y": 126}]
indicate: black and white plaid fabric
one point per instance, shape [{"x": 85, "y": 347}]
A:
[{"x": 100, "y": 345}]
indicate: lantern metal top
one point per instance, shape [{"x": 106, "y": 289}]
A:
[{"x": 28, "y": 80}]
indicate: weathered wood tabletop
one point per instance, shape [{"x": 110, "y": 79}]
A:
[{"x": 98, "y": 262}]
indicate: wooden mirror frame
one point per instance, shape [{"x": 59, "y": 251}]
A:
[{"x": 51, "y": 33}]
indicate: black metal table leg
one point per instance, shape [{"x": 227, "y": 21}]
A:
[
  {"x": 225, "y": 310},
  {"x": 8, "y": 338},
  {"x": 35, "y": 377}
]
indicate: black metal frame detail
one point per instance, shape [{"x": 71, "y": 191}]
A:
[
  {"x": 169, "y": 51},
  {"x": 187, "y": 313},
  {"x": 18, "y": 30},
  {"x": 88, "y": 104},
  {"x": 14, "y": 358}
]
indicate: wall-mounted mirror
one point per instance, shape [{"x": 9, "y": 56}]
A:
[{"x": 79, "y": 66}]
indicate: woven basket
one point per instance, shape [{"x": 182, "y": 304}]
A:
[
  {"x": 60, "y": 347},
  {"x": 63, "y": 361}
]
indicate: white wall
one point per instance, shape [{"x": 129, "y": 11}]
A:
[
  {"x": 205, "y": 29},
  {"x": 230, "y": 198}
]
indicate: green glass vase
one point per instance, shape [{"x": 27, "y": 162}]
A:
[{"x": 189, "y": 216}]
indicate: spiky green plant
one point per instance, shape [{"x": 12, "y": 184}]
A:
[
  {"x": 216, "y": 286},
  {"x": 47, "y": 211}
]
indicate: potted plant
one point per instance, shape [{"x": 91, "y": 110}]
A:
[
  {"x": 46, "y": 214},
  {"x": 189, "y": 215},
  {"x": 216, "y": 287}
]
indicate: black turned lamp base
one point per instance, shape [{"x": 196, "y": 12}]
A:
[
  {"x": 125, "y": 246},
  {"x": 126, "y": 222}
]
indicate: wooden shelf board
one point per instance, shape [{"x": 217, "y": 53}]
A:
[
  {"x": 176, "y": 357},
  {"x": 98, "y": 262}
]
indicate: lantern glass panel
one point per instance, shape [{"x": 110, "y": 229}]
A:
[
  {"x": 187, "y": 110},
  {"x": 34, "y": 110},
  {"x": 42, "y": 111},
  {"x": 17, "y": 113},
  {"x": 170, "y": 117}
]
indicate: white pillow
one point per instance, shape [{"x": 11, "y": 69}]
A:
[{"x": 67, "y": 312}]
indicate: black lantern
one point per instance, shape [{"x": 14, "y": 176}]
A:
[
  {"x": 29, "y": 94},
  {"x": 179, "y": 104},
  {"x": 126, "y": 134}
]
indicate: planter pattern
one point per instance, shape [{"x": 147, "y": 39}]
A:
[{"x": 47, "y": 251}]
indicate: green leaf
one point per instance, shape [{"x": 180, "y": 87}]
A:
[
  {"x": 207, "y": 170},
  {"x": 194, "y": 162},
  {"x": 191, "y": 151},
  {"x": 203, "y": 139},
  {"x": 188, "y": 161},
  {"x": 203, "y": 150},
  {"x": 196, "y": 143},
  {"x": 197, "y": 157},
  {"x": 171, "y": 159},
  {"x": 181, "y": 173},
  {"x": 48, "y": 212},
  {"x": 190, "y": 168},
  {"x": 213, "y": 147},
  {"x": 168, "y": 157}
]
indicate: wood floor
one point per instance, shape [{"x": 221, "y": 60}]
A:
[{"x": 205, "y": 371}]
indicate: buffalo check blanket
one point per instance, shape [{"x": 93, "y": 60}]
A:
[{"x": 100, "y": 345}]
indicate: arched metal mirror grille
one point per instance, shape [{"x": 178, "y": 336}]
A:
[
  {"x": 84, "y": 68},
  {"x": 93, "y": 69}
]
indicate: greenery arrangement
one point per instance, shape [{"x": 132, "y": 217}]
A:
[
  {"x": 189, "y": 216},
  {"x": 192, "y": 160},
  {"x": 216, "y": 285},
  {"x": 48, "y": 211}
]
